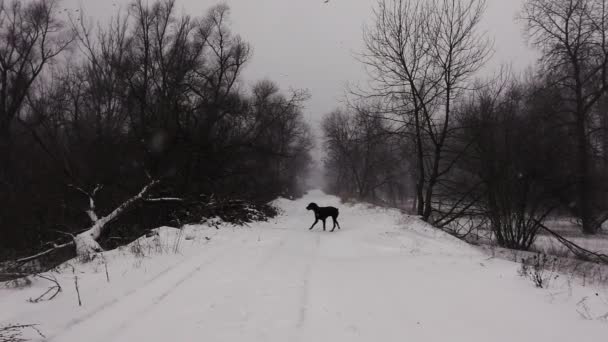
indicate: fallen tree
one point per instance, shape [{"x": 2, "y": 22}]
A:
[
  {"x": 578, "y": 251},
  {"x": 86, "y": 242}
]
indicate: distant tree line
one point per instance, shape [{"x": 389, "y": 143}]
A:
[
  {"x": 505, "y": 152},
  {"x": 364, "y": 159},
  {"x": 90, "y": 109}
]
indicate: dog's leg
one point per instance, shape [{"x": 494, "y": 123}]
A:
[
  {"x": 316, "y": 220},
  {"x": 337, "y": 223},
  {"x": 324, "y": 224},
  {"x": 334, "y": 221}
]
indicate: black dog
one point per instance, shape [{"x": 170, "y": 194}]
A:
[{"x": 321, "y": 213}]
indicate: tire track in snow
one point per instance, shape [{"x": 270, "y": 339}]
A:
[
  {"x": 267, "y": 256},
  {"x": 189, "y": 276},
  {"x": 292, "y": 287},
  {"x": 305, "y": 291},
  {"x": 84, "y": 319},
  {"x": 259, "y": 300}
]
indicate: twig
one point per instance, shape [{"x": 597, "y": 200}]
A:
[
  {"x": 178, "y": 240},
  {"x": 585, "y": 309},
  {"x": 57, "y": 288},
  {"x": 62, "y": 232},
  {"x": 12, "y": 333},
  {"x": 76, "y": 285},
  {"x": 105, "y": 264},
  {"x": 163, "y": 199},
  {"x": 48, "y": 251}
]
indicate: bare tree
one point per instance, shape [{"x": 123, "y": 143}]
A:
[
  {"x": 572, "y": 37},
  {"x": 422, "y": 55},
  {"x": 97, "y": 88},
  {"x": 514, "y": 156},
  {"x": 31, "y": 36}
]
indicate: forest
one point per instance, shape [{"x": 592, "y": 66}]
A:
[
  {"x": 504, "y": 152},
  {"x": 149, "y": 107}
]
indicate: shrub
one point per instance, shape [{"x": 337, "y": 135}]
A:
[{"x": 540, "y": 269}]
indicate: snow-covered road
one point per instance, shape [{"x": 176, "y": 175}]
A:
[{"x": 383, "y": 277}]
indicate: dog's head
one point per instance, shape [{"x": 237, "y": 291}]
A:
[{"x": 312, "y": 206}]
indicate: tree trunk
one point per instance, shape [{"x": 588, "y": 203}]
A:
[
  {"x": 5, "y": 150},
  {"x": 421, "y": 171},
  {"x": 583, "y": 181},
  {"x": 420, "y": 198}
]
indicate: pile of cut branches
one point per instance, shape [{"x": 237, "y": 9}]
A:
[{"x": 235, "y": 211}]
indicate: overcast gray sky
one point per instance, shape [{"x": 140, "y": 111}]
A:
[{"x": 310, "y": 44}]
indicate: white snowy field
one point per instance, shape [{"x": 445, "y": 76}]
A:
[{"x": 382, "y": 277}]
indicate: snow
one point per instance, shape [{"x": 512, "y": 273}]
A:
[{"x": 383, "y": 276}]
